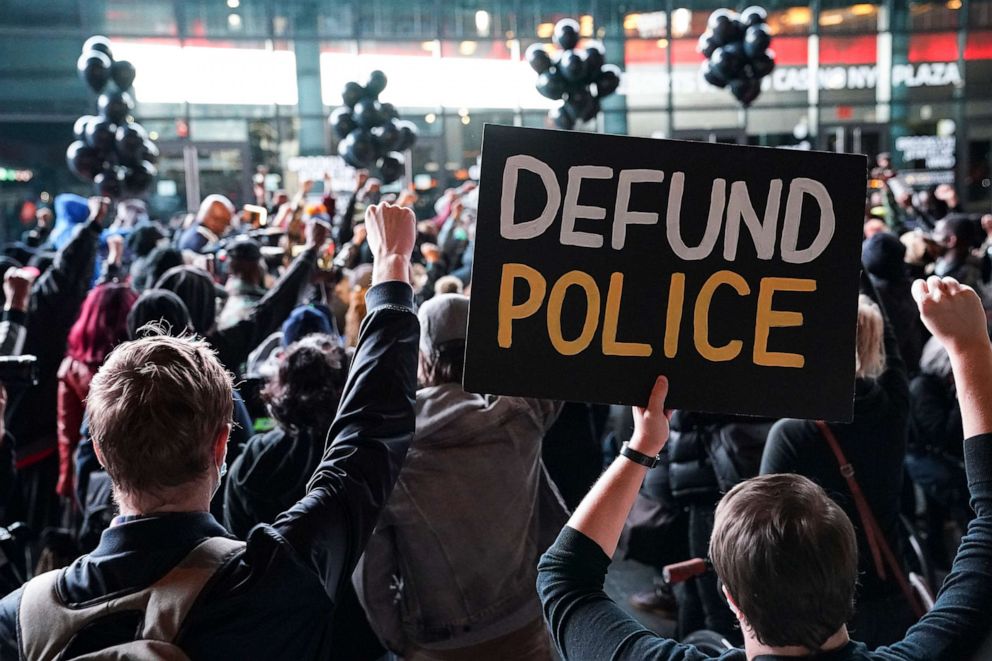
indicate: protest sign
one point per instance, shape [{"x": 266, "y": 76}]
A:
[{"x": 602, "y": 261}]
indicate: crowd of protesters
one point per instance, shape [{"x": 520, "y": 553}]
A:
[{"x": 246, "y": 437}]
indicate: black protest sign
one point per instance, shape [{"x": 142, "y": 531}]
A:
[{"x": 602, "y": 261}]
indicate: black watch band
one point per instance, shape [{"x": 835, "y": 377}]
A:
[{"x": 639, "y": 457}]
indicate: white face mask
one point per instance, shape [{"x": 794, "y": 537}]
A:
[{"x": 220, "y": 477}]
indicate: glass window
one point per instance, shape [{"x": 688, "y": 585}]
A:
[
  {"x": 842, "y": 16},
  {"x": 147, "y": 17}
]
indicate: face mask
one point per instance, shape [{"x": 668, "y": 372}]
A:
[{"x": 220, "y": 477}]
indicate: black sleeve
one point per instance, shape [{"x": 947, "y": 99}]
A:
[
  {"x": 932, "y": 416},
  {"x": 962, "y": 616},
  {"x": 895, "y": 378},
  {"x": 236, "y": 342},
  {"x": 584, "y": 622},
  {"x": 345, "y": 229},
  {"x": 366, "y": 445}
]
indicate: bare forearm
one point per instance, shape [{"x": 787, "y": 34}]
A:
[
  {"x": 602, "y": 513},
  {"x": 972, "y": 367}
]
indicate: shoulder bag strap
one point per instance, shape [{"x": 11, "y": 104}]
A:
[{"x": 879, "y": 546}]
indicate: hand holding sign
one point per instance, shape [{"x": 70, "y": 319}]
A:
[{"x": 602, "y": 261}]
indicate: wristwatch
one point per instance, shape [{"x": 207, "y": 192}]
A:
[{"x": 639, "y": 457}]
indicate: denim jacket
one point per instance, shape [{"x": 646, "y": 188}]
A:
[{"x": 454, "y": 556}]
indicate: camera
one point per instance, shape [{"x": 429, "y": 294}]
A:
[{"x": 18, "y": 370}]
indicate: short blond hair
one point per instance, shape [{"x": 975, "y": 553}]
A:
[
  {"x": 870, "y": 358},
  {"x": 156, "y": 407}
]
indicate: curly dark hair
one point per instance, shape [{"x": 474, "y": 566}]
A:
[{"x": 305, "y": 392}]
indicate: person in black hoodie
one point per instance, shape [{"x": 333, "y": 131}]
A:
[{"x": 874, "y": 443}]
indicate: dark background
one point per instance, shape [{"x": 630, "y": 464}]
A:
[{"x": 531, "y": 367}]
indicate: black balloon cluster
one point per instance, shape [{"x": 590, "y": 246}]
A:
[
  {"x": 577, "y": 77},
  {"x": 737, "y": 48},
  {"x": 110, "y": 150},
  {"x": 370, "y": 132}
]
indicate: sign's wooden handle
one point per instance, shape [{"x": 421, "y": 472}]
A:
[{"x": 683, "y": 571}]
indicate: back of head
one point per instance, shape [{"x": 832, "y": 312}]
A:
[
  {"x": 164, "y": 310},
  {"x": 196, "y": 289},
  {"x": 306, "y": 320},
  {"x": 965, "y": 229},
  {"x": 443, "y": 328},
  {"x": 145, "y": 238},
  {"x": 870, "y": 357},
  {"x": 883, "y": 255},
  {"x": 102, "y": 322},
  {"x": 307, "y": 387},
  {"x": 160, "y": 260},
  {"x": 788, "y": 556},
  {"x": 156, "y": 408}
]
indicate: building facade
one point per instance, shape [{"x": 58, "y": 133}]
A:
[{"x": 230, "y": 88}]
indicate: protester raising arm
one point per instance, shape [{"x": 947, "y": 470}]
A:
[
  {"x": 584, "y": 621},
  {"x": 17, "y": 290},
  {"x": 962, "y": 616},
  {"x": 234, "y": 343},
  {"x": 368, "y": 440}
]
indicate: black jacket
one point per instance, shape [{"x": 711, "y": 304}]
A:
[
  {"x": 874, "y": 444},
  {"x": 56, "y": 298},
  {"x": 272, "y": 600}
]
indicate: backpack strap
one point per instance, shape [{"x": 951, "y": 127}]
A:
[
  {"x": 879, "y": 546},
  {"x": 46, "y": 625}
]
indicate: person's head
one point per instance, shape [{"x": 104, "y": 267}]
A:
[
  {"x": 196, "y": 289},
  {"x": 102, "y": 323},
  {"x": 245, "y": 257},
  {"x": 884, "y": 160},
  {"x": 216, "y": 213},
  {"x": 159, "y": 260},
  {"x": 44, "y": 217},
  {"x": 279, "y": 198},
  {"x": 788, "y": 560},
  {"x": 164, "y": 310},
  {"x": 160, "y": 414},
  {"x": 956, "y": 233},
  {"x": 870, "y": 356},
  {"x": 130, "y": 213},
  {"x": 449, "y": 284},
  {"x": 443, "y": 326},
  {"x": 145, "y": 238},
  {"x": 884, "y": 256},
  {"x": 306, "y": 320},
  {"x": 935, "y": 361},
  {"x": 305, "y": 391}
]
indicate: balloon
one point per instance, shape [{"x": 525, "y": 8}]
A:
[
  {"x": 561, "y": 118},
  {"x": 712, "y": 76},
  {"x": 131, "y": 143},
  {"x": 83, "y": 160},
  {"x": 584, "y": 106},
  {"x": 408, "y": 135},
  {"x": 342, "y": 122},
  {"x": 123, "y": 73},
  {"x": 100, "y": 134},
  {"x": 745, "y": 90},
  {"x": 115, "y": 105},
  {"x": 357, "y": 149},
  {"x": 79, "y": 128},
  {"x": 572, "y": 66},
  {"x": 566, "y": 35},
  {"x": 367, "y": 113},
  {"x": 538, "y": 58},
  {"x": 387, "y": 135},
  {"x": 725, "y": 26},
  {"x": 763, "y": 63},
  {"x": 98, "y": 43},
  {"x": 376, "y": 83},
  {"x": 392, "y": 167},
  {"x": 151, "y": 152},
  {"x": 550, "y": 85},
  {"x": 94, "y": 69},
  {"x": 756, "y": 40},
  {"x": 107, "y": 183},
  {"x": 707, "y": 44},
  {"x": 728, "y": 60},
  {"x": 608, "y": 80},
  {"x": 754, "y": 16},
  {"x": 388, "y": 111},
  {"x": 138, "y": 178},
  {"x": 352, "y": 93},
  {"x": 595, "y": 59}
]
